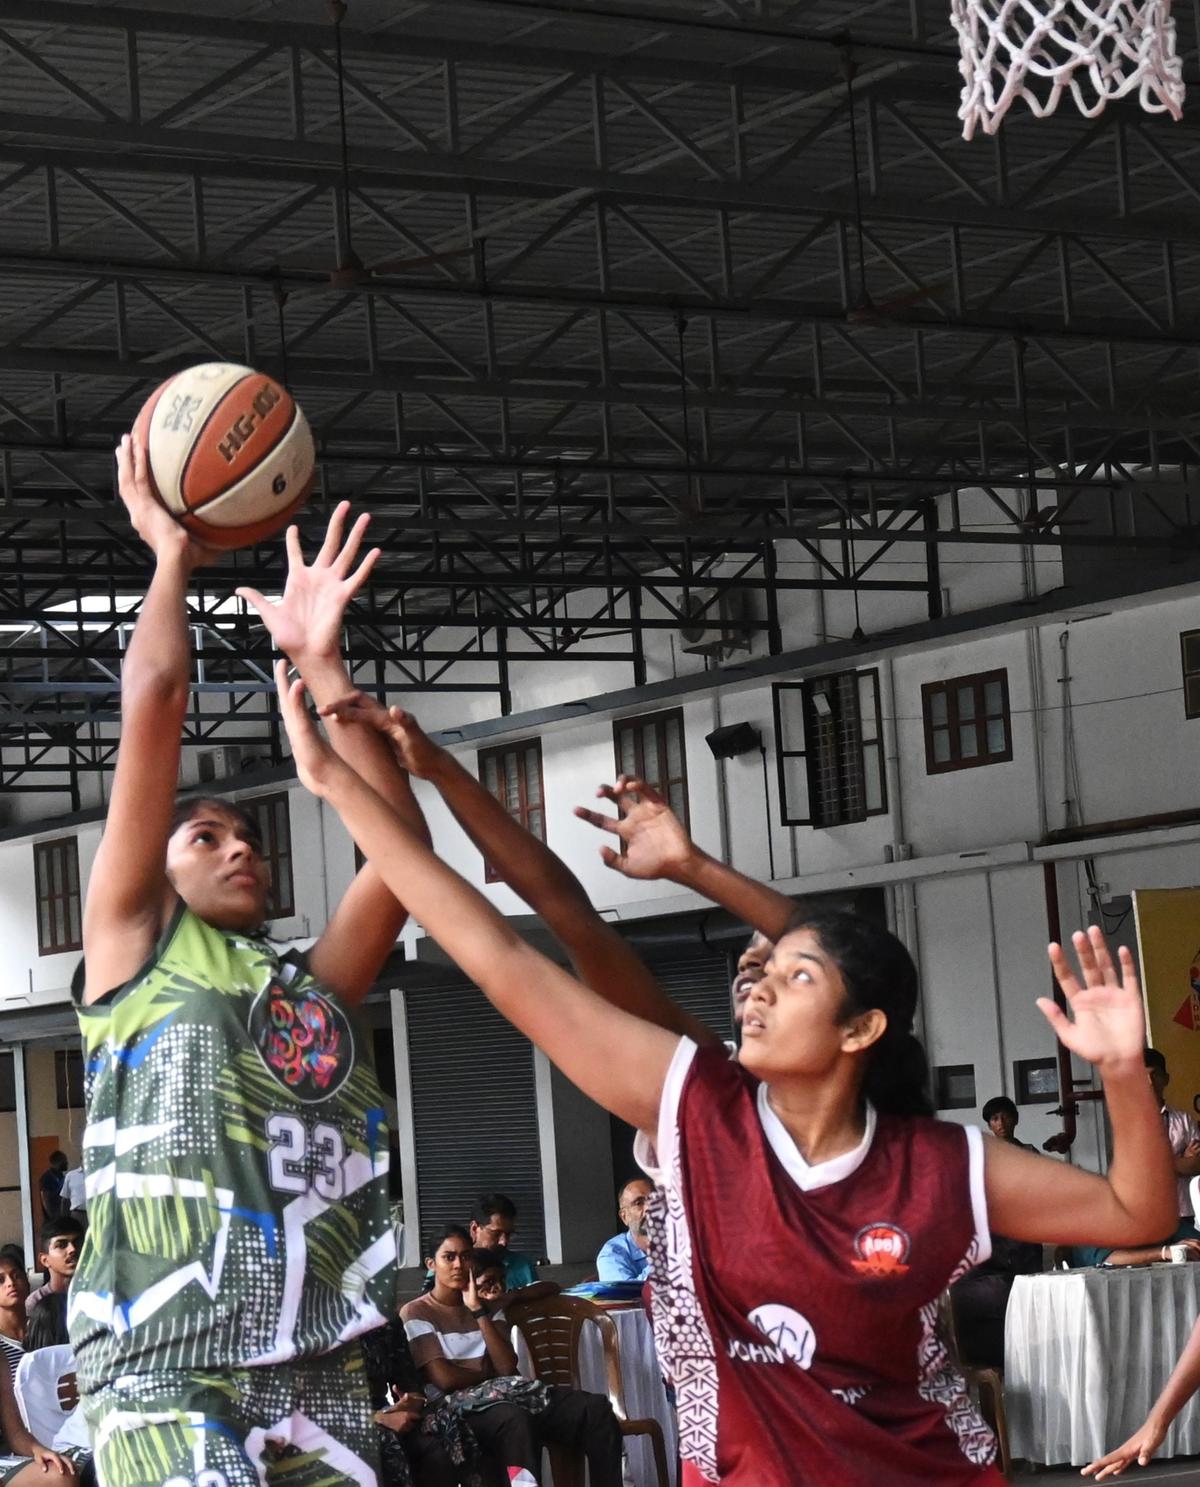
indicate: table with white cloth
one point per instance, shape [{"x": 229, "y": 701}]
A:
[
  {"x": 1087, "y": 1352},
  {"x": 645, "y": 1396}
]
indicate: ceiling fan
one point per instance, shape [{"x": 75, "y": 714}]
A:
[
  {"x": 349, "y": 270},
  {"x": 866, "y": 310}
]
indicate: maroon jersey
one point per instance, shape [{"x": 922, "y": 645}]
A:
[{"x": 795, "y": 1306}]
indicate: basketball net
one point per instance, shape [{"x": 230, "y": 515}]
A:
[{"x": 1038, "y": 49}]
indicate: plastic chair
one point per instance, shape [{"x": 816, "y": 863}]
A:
[
  {"x": 988, "y": 1383},
  {"x": 46, "y": 1391},
  {"x": 552, "y": 1327}
]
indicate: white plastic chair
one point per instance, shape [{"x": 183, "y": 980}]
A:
[{"x": 46, "y": 1392}]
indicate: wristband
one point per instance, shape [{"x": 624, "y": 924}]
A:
[
  {"x": 482, "y": 1312},
  {"x": 1164, "y": 1252}
]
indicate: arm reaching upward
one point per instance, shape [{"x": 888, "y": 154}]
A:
[
  {"x": 306, "y": 624},
  {"x": 1032, "y": 1197},
  {"x": 601, "y": 957},
  {"x": 128, "y": 897},
  {"x": 617, "y": 1059},
  {"x": 657, "y": 846}
]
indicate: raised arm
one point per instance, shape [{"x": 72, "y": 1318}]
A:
[
  {"x": 601, "y": 957},
  {"x": 128, "y": 895},
  {"x": 306, "y": 624},
  {"x": 501, "y": 1354},
  {"x": 619, "y": 1060},
  {"x": 1035, "y": 1198},
  {"x": 657, "y": 846}
]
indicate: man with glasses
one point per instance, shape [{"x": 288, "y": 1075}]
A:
[
  {"x": 493, "y": 1221},
  {"x": 626, "y": 1257}
]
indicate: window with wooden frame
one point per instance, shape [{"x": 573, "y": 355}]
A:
[
  {"x": 513, "y": 774},
  {"x": 829, "y": 749},
  {"x": 270, "y": 815},
  {"x": 1189, "y": 655},
  {"x": 967, "y": 722},
  {"x": 651, "y": 748},
  {"x": 59, "y": 910}
]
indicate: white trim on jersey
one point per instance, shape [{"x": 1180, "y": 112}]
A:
[
  {"x": 807, "y": 1176},
  {"x": 658, "y": 1158},
  {"x": 681, "y": 1333},
  {"x": 976, "y": 1164}
]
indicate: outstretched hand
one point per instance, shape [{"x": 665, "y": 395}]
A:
[
  {"x": 415, "y": 750},
  {"x": 1107, "y": 1026},
  {"x": 307, "y": 619},
  {"x": 655, "y": 841},
  {"x": 314, "y": 758},
  {"x": 1139, "y": 1448}
]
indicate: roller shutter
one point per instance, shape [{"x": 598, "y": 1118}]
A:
[
  {"x": 474, "y": 1110},
  {"x": 698, "y": 979}
]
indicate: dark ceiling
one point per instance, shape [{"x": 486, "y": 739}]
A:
[{"x": 586, "y": 303}]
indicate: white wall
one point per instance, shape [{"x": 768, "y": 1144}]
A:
[{"x": 976, "y": 923}]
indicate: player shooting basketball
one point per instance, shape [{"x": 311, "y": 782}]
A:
[{"x": 236, "y": 1153}]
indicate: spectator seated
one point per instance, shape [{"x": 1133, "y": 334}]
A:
[{"x": 626, "y": 1257}]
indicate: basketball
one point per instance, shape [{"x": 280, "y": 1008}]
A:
[{"x": 229, "y": 453}]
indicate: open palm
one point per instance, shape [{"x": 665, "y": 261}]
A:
[
  {"x": 1107, "y": 1024},
  {"x": 656, "y": 845},
  {"x": 307, "y": 619}
]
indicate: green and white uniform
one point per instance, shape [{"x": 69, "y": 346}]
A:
[{"x": 236, "y": 1163}]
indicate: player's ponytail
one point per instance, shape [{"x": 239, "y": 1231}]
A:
[
  {"x": 897, "y": 1081},
  {"x": 878, "y": 973}
]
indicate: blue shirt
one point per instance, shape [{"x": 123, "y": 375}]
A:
[
  {"x": 519, "y": 1270},
  {"x": 621, "y": 1259}
]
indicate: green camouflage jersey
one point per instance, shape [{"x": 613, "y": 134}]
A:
[{"x": 236, "y": 1160}]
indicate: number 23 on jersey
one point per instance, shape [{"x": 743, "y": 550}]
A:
[{"x": 298, "y": 1159}]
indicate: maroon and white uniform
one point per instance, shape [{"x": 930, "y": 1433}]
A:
[{"x": 795, "y": 1306}]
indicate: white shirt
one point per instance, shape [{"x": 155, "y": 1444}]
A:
[{"x": 73, "y": 1189}]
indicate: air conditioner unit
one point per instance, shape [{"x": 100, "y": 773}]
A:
[
  {"x": 219, "y": 764},
  {"x": 716, "y": 622}
]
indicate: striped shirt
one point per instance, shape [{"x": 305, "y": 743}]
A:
[
  {"x": 13, "y": 1352},
  {"x": 435, "y": 1330}
]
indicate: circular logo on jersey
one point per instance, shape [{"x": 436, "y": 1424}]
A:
[
  {"x": 791, "y": 1333},
  {"x": 882, "y": 1249},
  {"x": 304, "y": 1038}
]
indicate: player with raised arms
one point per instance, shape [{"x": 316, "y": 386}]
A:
[
  {"x": 236, "y": 1151},
  {"x": 829, "y": 1212}
]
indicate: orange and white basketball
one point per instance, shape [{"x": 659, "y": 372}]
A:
[{"x": 230, "y": 454}]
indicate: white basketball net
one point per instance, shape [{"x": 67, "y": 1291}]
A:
[{"x": 1037, "y": 49}]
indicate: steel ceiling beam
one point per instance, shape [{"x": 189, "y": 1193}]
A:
[
  {"x": 643, "y": 389},
  {"x": 1080, "y": 330},
  {"x": 191, "y": 153},
  {"x": 535, "y": 485},
  {"x": 411, "y": 45}
]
